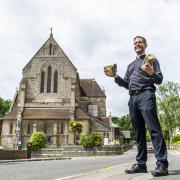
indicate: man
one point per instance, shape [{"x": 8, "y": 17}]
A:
[{"x": 139, "y": 80}]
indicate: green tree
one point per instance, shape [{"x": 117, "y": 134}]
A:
[
  {"x": 169, "y": 108},
  {"x": 176, "y": 139},
  {"x": 124, "y": 122},
  {"x": 4, "y": 106},
  {"x": 148, "y": 137},
  {"x": 76, "y": 128}
]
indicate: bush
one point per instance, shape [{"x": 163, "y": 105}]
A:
[
  {"x": 38, "y": 140},
  {"x": 91, "y": 140},
  {"x": 114, "y": 142},
  {"x": 75, "y": 126},
  {"x": 177, "y": 142},
  {"x": 176, "y": 139}
]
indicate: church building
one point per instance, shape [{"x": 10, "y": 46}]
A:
[{"x": 51, "y": 94}]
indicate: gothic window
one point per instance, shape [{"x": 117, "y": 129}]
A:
[
  {"x": 55, "y": 81},
  {"x": 42, "y": 82},
  {"x": 50, "y": 49},
  {"x": 29, "y": 128},
  {"x": 93, "y": 110},
  {"x": 54, "y": 50},
  {"x": 62, "y": 128},
  {"x": 11, "y": 128},
  {"x": 45, "y": 128},
  {"x": 49, "y": 79}
]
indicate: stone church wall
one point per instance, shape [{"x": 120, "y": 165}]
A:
[
  {"x": 100, "y": 101},
  {"x": 57, "y": 130},
  {"x": 66, "y": 79},
  {"x": 67, "y": 95},
  {"x": 7, "y": 138}
]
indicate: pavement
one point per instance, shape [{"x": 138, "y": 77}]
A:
[
  {"x": 113, "y": 173},
  {"x": 117, "y": 172}
]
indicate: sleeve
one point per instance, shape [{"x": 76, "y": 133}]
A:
[
  {"x": 157, "y": 76},
  {"x": 122, "y": 82}
]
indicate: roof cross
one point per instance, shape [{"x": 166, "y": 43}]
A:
[{"x": 51, "y": 31}]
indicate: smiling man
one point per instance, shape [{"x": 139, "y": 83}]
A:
[{"x": 139, "y": 79}]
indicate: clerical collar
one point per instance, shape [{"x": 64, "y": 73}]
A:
[{"x": 142, "y": 56}]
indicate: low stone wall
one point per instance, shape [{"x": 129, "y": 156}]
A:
[
  {"x": 12, "y": 154},
  {"x": 173, "y": 147},
  {"x": 77, "y": 151},
  {"x": 47, "y": 153}
]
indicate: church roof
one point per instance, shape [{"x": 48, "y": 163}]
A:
[
  {"x": 100, "y": 126},
  {"x": 114, "y": 125},
  {"x": 38, "y": 113},
  {"x": 39, "y": 54},
  {"x": 11, "y": 115},
  {"x": 80, "y": 114},
  {"x": 91, "y": 88},
  {"x": 106, "y": 120},
  {"x": 125, "y": 134}
]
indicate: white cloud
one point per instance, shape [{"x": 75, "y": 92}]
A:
[{"x": 92, "y": 33}]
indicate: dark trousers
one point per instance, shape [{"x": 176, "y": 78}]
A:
[{"x": 143, "y": 111}]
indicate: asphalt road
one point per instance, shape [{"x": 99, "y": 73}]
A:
[{"x": 86, "y": 168}]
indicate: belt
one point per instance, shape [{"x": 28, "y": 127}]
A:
[{"x": 135, "y": 92}]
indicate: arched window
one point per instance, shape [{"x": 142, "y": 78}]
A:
[
  {"x": 49, "y": 79},
  {"x": 50, "y": 49},
  {"x": 45, "y": 128},
  {"x": 62, "y": 128},
  {"x": 55, "y": 81},
  {"x": 29, "y": 129},
  {"x": 11, "y": 128},
  {"x": 42, "y": 82}
]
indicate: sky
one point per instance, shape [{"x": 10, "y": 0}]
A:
[{"x": 92, "y": 33}]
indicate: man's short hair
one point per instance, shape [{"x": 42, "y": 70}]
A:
[{"x": 145, "y": 42}]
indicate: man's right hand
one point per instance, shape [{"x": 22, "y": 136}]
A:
[{"x": 110, "y": 70}]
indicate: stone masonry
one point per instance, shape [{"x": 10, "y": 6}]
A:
[{"x": 51, "y": 94}]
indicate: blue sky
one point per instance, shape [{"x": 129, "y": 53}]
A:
[{"x": 93, "y": 33}]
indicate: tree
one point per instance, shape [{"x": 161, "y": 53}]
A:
[
  {"x": 76, "y": 128},
  {"x": 124, "y": 122},
  {"x": 169, "y": 108},
  {"x": 148, "y": 137},
  {"x": 4, "y": 106}
]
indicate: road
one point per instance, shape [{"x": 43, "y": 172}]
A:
[{"x": 86, "y": 168}]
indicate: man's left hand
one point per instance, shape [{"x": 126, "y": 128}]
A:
[{"x": 148, "y": 69}]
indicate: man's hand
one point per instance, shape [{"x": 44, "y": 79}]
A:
[
  {"x": 149, "y": 59},
  {"x": 110, "y": 70},
  {"x": 148, "y": 69}
]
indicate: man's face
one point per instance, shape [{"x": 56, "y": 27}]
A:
[{"x": 139, "y": 46}]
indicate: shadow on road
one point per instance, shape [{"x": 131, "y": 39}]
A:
[{"x": 174, "y": 172}]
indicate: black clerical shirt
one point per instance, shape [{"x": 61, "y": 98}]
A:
[{"x": 137, "y": 79}]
